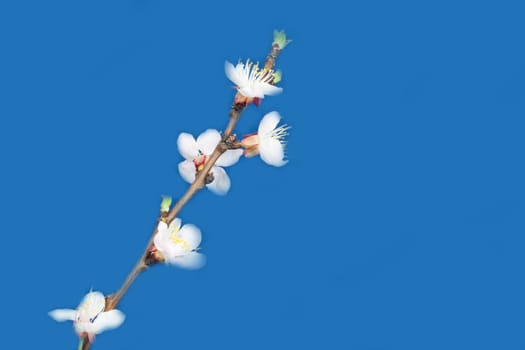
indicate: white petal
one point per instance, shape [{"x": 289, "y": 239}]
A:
[
  {"x": 62, "y": 315},
  {"x": 272, "y": 152},
  {"x": 221, "y": 182},
  {"x": 229, "y": 157},
  {"x": 187, "y": 170},
  {"x": 190, "y": 261},
  {"x": 259, "y": 89},
  {"x": 268, "y": 123},
  {"x": 191, "y": 234},
  {"x": 166, "y": 246},
  {"x": 162, "y": 226},
  {"x": 269, "y": 89},
  {"x": 92, "y": 304},
  {"x": 250, "y": 91},
  {"x": 108, "y": 320},
  {"x": 81, "y": 327},
  {"x": 162, "y": 241},
  {"x": 187, "y": 146},
  {"x": 208, "y": 140},
  {"x": 233, "y": 74},
  {"x": 175, "y": 224}
]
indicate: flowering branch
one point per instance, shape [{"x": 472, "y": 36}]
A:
[
  {"x": 235, "y": 113},
  {"x": 96, "y": 313}
]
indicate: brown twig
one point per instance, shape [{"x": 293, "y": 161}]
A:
[{"x": 235, "y": 113}]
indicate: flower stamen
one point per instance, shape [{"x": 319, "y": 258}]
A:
[
  {"x": 252, "y": 81},
  {"x": 279, "y": 133},
  {"x": 180, "y": 242}
]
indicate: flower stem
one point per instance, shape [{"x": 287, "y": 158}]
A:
[
  {"x": 235, "y": 113},
  {"x": 113, "y": 300}
]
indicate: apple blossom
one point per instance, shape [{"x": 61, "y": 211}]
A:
[
  {"x": 90, "y": 318},
  {"x": 196, "y": 153},
  {"x": 178, "y": 245},
  {"x": 252, "y": 83},
  {"x": 268, "y": 142}
]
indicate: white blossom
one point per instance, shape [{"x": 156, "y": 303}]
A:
[
  {"x": 90, "y": 318},
  {"x": 179, "y": 245},
  {"x": 197, "y": 152},
  {"x": 269, "y": 140},
  {"x": 250, "y": 80}
]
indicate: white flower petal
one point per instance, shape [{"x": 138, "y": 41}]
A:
[
  {"x": 187, "y": 170},
  {"x": 92, "y": 304},
  {"x": 272, "y": 152},
  {"x": 190, "y": 261},
  {"x": 233, "y": 74},
  {"x": 165, "y": 245},
  {"x": 161, "y": 240},
  {"x": 268, "y": 123},
  {"x": 62, "y": 315},
  {"x": 108, "y": 320},
  {"x": 169, "y": 247},
  {"x": 191, "y": 234},
  {"x": 258, "y": 89},
  {"x": 81, "y": 327},
  {"x": 269, "y": 89},
  {"x": 175, "y": 224},
  {"x": 208, "y": 140},
  {"x": 250, "y": 80},
  {"x": 187, "y": 146},
  {"x": 221, "y": 182},
  {"x": 251, "y": 91},
  {"x": 229, "y": 157},
  {"x": 162, "y": 226}
]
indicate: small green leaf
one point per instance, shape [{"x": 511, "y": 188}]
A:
[
  {"x": 277, "y": 76},
  {"x": 279, "y": 38},
  {"x": 165, "y": 204}
]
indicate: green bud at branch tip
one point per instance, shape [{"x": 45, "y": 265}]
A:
[
  {"x": 165, "y": 204},
  {"x": 279, "y": 39}
]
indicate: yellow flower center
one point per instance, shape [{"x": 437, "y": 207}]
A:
[
  {"x": 180, "y": 242},
  {"x": 177, "y": 240}
]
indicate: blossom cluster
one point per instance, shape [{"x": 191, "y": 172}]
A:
[
  {"x": 177, "y": 244},
  {"x": 252, "y": 84}
]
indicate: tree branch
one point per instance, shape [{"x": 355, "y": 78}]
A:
[{"x": 235, "y": 113}]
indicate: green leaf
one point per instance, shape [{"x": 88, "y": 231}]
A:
[
  {"x": 165, "y": 204},
  {"x": 277, "y": 76},
  {"x": 279, "y": 38}
]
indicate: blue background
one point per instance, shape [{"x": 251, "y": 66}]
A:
[{"x": 397, "y": 224}]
